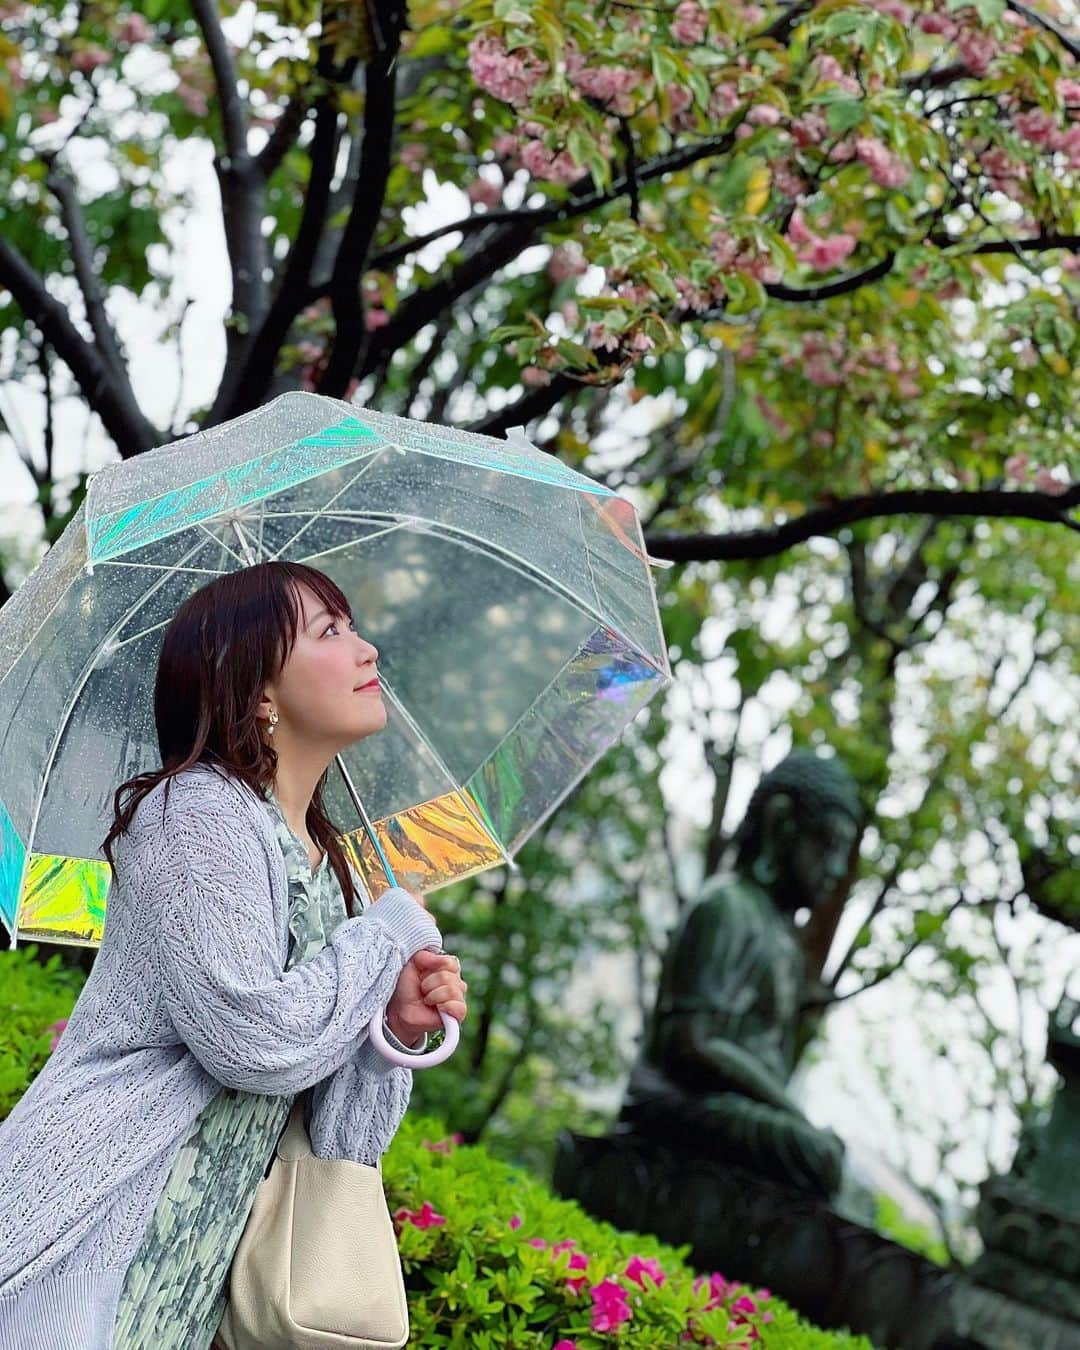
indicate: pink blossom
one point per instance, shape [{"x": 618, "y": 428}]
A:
[
  {"x": 537, "y": 1242},
  {"x": 798, "y": 230},
  {"x": 194, "y": 100},
  {"x": 375, "y": 318},
  {"x": 506, "y": 143},
  {"x": 1003, "y": 173},
  {"x": 829, "y": 70},
  {"x": 810, "y": 128},
  {"x": 896, "y": 9},
  {"x": 1015, "y": 467},
  {"x": 724, "y": 99},
  {"x": 885, "y": 168},
  {"x": 1047, "y": 481},
  {"x": 16, "y": 79},
  {"x": 565, "y": 1345},
  {"x": 570, "y": 312},
  {"x": 535, "y": 378},
  {"x": 57, "y": 1029},
  {"x": 752, "y": 14},
  {"x": 841, "y": 152},
  {"x": 640, "y": 1266},
  {"x": 565, "y": 263},
  {"x": 786, "y": 178},
  {"x": 555, "y": 166},
  {"x": 823, "y": 254},
  {"x": 763, "y": 115},
  {"x": 578, "y": 1261},
  {"x": 977, "y": 48},
  {"x": 1068, "y": 143},
  {"x": 937, "y": 23},
  {"x": 412, "y": 154},
  {"x": 424, "y": 1217},
  {"x": 691, "y": 23},
  {"x": 611, "y": 85},
  {"x": 598, "y": 336},
  {"x": 681, "y": 100},
  {"x": 1068, "y": 91},
  {"x": 718, "y": 1287},
  {"x": 1036, "y": 125},
  {"x": 90, "y": 58},
  {"x": 509, "y": 76},
  {"x": 439, "y": 1145},
  {"x": 483, "y": 192},
  {"x": 610, "y": 1306},
  {"x": 135, "y": 29},
  {"x": 515, "y": 1221}
]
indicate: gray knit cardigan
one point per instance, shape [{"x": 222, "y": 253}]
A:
[{"x": 188, "y": 993}]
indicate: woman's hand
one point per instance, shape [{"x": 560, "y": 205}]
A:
[{"x": 429, "y": 983}]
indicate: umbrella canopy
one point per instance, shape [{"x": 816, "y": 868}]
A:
[{"x": 509, "y": 596}]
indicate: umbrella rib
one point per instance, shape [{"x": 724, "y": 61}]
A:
[
  {"x": 219, "y": 539},
  {"x": 372, "y": 459},
  {"x": 163, "y": 567},
  {"x": 65, "y": 718}
]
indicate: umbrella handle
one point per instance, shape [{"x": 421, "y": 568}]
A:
[{"x": 430, "y": 1058}]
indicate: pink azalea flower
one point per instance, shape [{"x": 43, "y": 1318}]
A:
[
  {"x": 515, "y": 1221},
  {"x": 376, "y": 318},
  {"x": 537, "y": 1242},
  {"x": 610, "y": 1306},
  {"x": 424, "y": 1217},
  {"x": 578, "y": 1261},
  {"x": 565, "y": 1345},
  {"x": 56, "y": 1028},
  {"x": 640, "y": 1266},
  {"x": 511, "y": 77}
]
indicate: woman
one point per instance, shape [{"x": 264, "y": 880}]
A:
[{"x": 238, "y": 968}]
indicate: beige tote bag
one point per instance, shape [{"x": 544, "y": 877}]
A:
[{"x": 317, "y": 1267}]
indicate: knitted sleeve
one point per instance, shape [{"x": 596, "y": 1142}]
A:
[
  {"x": 355, "y": 1112},
  {"x": 252, "y": 1024}
]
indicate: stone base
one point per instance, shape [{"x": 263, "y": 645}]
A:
[
  {"x": 991, "y": 1321},
  {"x": 835, "y": 1272}
]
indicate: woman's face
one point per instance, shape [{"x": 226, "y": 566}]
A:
[{"x": 318, "y": 693}]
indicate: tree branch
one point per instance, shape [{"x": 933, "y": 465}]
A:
[
  {"x": 283, "y": 136},
  {"x": 114, "y": 404},
  {"x": 293, "y": 292},
  {"x": 1071, "y": 45},
  {"x": 82, "y": 256},
  {"x": 346, "y": 297},
  {"x": 234, "y": 121},
  {"x": 772, "y": 540}
]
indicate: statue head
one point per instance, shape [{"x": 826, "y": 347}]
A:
[{"x": 800, "y": 827}]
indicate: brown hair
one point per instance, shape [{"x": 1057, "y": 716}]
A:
[{"x": 220, "y": 647}]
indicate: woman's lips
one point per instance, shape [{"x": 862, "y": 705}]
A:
[{"x": 372, "y": 686}]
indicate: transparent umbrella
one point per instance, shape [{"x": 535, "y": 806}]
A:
[{"x": 509, "y": 596}]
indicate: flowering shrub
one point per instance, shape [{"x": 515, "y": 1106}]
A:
[{"x": 494, "y": 1259}]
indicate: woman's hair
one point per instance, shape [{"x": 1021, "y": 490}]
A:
[{"x": 220, "y": 648}]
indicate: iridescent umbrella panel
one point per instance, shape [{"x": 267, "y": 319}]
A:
[{"x": 510, "y": 598}]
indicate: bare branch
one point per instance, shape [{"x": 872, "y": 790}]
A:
[
  {"x": 233, "y": 117},
  {"x": 775, "y": 539},
  {"x": 283, "y": 136},
  {"x": 82, "y": 256},
  {"x": 1071, "y": 45},
  {"x": 389, "y": 18},
  {"x": 114, "y": 404}
]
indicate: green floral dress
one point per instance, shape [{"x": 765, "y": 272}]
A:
[{"x": 177, "y": 1283}]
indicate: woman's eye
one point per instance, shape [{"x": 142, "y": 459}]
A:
[{"x": 334, "y": 625}]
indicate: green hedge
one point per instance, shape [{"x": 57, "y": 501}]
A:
[
  {"x": 493, "y": 1260},
  {"x": 33, "y": 996}
]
